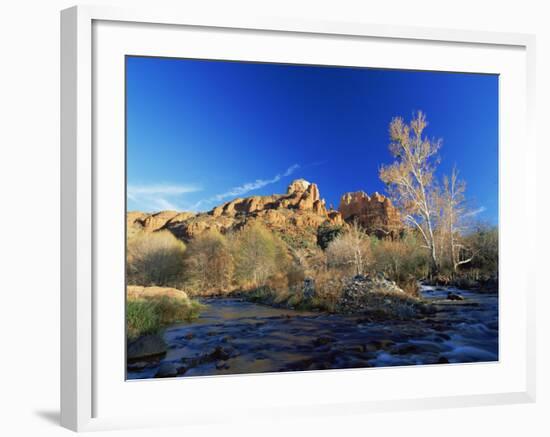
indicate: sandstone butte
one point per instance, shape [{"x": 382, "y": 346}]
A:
[{"x": 297, "y": 213}]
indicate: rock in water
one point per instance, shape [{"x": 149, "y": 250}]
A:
[
  {"x": 146, "y": 346},
  {"x": 454, "y": 296},
  {"x": 366, "y": 294},
  {"x": 166, "y": 370},
  {"x": 219, "y": 353}
]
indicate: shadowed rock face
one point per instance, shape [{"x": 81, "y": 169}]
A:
[{"x": 375, "y": 213}]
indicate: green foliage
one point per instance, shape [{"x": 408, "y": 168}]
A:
[
  {"x": 483, "y": 242},
  {"x": 402, "y": 261},
  {"x": 142, "y": 318},
  {"x": 300, "y": 240},
  {"x": 154, "y": 259},
  {"x": 147, "y": 315},
  {"x": 326, "y": 233}
]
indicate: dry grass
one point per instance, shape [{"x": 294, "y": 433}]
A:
[
  {"x": 329, "y": 285},
  {"x": 148, "y": 309},
  {"x": 154, "y": 258}
]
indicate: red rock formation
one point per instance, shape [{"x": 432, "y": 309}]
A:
[
  {"x": 299, "y": 211},
  {"x": 300, "y": 195},
  {"x": 153, "y": 222},
  {"x": 376, "y": 214},
  {"x": 156, "y": 221}
]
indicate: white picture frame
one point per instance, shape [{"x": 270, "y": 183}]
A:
[{"x": 84, "y": 177}]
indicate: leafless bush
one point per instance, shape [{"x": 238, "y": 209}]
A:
[
  {"x": 209, "y": 263},
  {"x": 154, "y": 259},
  {"x": 258, "y": 254},
  {"x": 349, "y": 251}
]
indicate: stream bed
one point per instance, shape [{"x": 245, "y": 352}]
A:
[{"x": 235, "y": 336}]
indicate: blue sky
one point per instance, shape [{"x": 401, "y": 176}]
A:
[{"x": 200, "y": 132}]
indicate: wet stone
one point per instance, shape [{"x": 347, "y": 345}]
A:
[
  {"x": 219, "y": 353},
  {"x": 454, "y": 296},
  {"x": 166, "y": 370},
  {"x": 359, "y": 348},
  {"x": 140, "y": 365},
  {"x": 320, "y": 341},
  {"x": 222, "y": 365},
  {"x": 407, "y": 349},
  {"x": 146, "y": 346}
]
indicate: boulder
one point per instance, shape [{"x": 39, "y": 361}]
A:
[
  {"x": 146, "y": 346},
  {"x": 365, "y": 293},
  {"x": 139, "y": 292},
  {"x": 454, "y": 296},
  {"x": 166, "y": 370}
]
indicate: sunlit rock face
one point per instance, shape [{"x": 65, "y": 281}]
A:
[
  {"x": 301, "y": 195},
  {"x": 376, "y": 214},
  {"x": 298, "y": 186},
  {"x": 297, "y": 212}
]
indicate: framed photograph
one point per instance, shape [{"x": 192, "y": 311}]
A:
[{"x": 276, "y": 218}]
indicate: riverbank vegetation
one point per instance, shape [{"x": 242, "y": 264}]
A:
[
  {"x": 439, "y": 243},
  {"x": 149, "y": 309}
]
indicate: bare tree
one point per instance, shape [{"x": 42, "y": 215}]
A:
[
  {"x": 350, "y": 250},
  {"x": 410, "y": 178},
  {"x": 454, "y": 213}
]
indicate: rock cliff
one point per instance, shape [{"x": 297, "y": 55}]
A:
[
  {"x": 296, "y": 215},
  {"x": 376, "y": 213}
]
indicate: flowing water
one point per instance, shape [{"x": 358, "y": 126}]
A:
[{"x": 234, "y": 336}]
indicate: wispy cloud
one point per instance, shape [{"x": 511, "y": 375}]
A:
[
  {"x": 255, "y": 185},
  {"x": 157, "y": 197},
  {"x": 246, "y": 187},
  {"x": 161, "y": 189},
  {"x": 475, "y": 212}
]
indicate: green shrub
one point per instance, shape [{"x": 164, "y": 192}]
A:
[
  {"x": 326, "y": 233},
  {"x": 142, "y": 317},
  {"x": 402, "y": 261},
  {"x": 148, "y": 309},
  {"x": 483, "y": 242}
]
